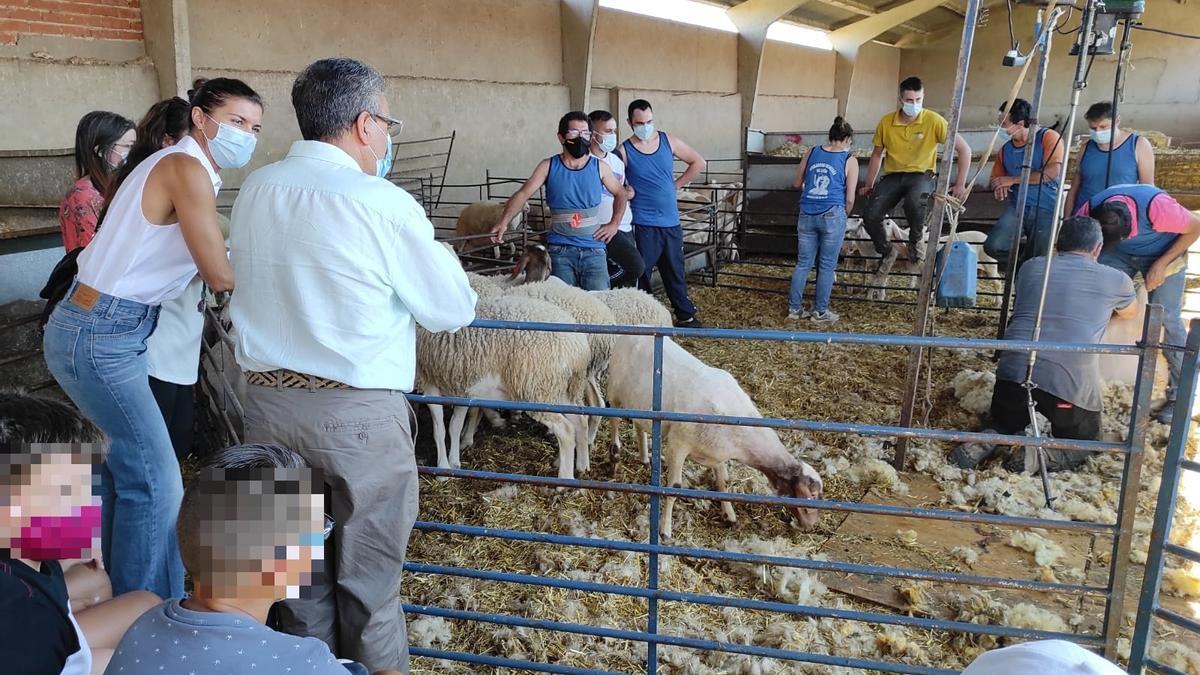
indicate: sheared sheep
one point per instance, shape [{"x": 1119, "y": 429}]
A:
[
  {"x": 858, "y": 244},
  {"x": 478, "y": 362},
  {"x": 475, "y": 223},
  {"x": 633, "y": 307},
  {"x": 689, "y": 385}
]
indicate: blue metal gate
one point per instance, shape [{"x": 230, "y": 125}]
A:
[{"x": 653, "y": 549}]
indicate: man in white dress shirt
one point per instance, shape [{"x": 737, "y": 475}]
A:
[{"x": 335, "y": 267}]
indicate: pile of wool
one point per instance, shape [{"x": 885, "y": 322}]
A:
[
  {"x": 872, "y": 472},
  {"x": 1183, "y": 582},
  {"x": 427, "y": 631},
  {"x": 788, "y": 584},
  {"x": 973, "y": 389},
  {"x": 1045, "y": 552},
  {"x": 966, "y": 554},
  {"x": 1025, "y": 615}
]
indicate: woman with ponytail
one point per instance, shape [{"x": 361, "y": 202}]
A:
[
  {"x": 827, "y": 180},
  {"x": 160, "y": 231}
]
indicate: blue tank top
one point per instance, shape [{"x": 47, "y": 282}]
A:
[
  {"x": 1146, "y": 242},
  {"x": 824, "y": 181},
  {"x": 653, "y": 179},
  {"x": 1093, "y": 168},
  {"x": 1040, "y": 196},
  {"x": 573, "y": 196}
]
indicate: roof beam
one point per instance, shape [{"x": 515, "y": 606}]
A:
[
  {"x": 753, "y": 18},
  {"x": 941, "y": 31},
  {"x": 865, "y": 10},
  {"x": 859, "y": 32}
]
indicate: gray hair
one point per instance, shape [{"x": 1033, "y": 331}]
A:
[
  {"x": 331, "y": 93},
  {"x": 255, "y": 456},
  {"x": 1079, "y": 234}
]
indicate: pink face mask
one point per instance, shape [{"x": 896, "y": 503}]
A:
[{"x": 58, "y": 537}]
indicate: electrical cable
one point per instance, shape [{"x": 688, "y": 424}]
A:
[
  {"x": 1012, "y": 35},
  {"x": 1166, "y": 32}
]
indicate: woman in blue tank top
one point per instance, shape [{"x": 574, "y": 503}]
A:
[
  {"x": 828, "y": 179},
  {"x": 1132, "y": 157},
  {"x": 1040, "y": 202}
]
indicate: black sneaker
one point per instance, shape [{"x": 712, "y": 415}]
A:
[
  {"x": 1165, "y": 415},
  {"x": 690, "y": 322}
]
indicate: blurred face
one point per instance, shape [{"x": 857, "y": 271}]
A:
[
  {"x": 43, "y": 516},
  {"x": 292, "y": 565},
  {"x": 120, "y": 150}
]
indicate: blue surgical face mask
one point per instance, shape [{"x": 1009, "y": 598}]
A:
[
  {"x": 1103, "y": 136},
  {"x": 911, "y": 109},
  {"x": 382, "y": 165},
  {"x": 608, "y": 142},
  {"x": 1004, "y": 136},
  {"x": 644, "y": 131},
  {"x": 231, "y": 148}
]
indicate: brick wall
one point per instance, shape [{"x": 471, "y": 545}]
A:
[{"x": 88, "y": 19}]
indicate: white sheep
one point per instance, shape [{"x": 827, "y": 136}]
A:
[
  {"x": 633, "y": 307},
  {"x": 856, "y": 233},
  {"x": 584, "y": 308},
  {"x": 477, "y": 219},
  {"x": 479, "y": 362},
  {"x": 689, "y": 385}
]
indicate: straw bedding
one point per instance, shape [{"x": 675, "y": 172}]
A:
[{"x": 814, "y": 381}]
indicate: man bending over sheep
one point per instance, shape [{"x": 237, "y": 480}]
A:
[
  {"x": 575, "y": 183},
  {"x": 336, "y": 267},
  {"x": 1081, "y": 298}
]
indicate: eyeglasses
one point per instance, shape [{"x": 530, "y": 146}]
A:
[
  {"x": 576, "y": 133},
  {"x": 394, "y": 126}
]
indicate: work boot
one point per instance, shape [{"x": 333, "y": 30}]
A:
[
  {"x": 690, "y": 322},
  {"x": 1024, "y": 460},
  {"x": 916, "y": 252},
  {"x": 971, "y": 455}
]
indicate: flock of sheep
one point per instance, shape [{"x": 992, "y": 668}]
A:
[{"x": 573, "y": 369}]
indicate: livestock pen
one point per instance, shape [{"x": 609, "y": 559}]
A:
[{"x": 510, "y": 578}]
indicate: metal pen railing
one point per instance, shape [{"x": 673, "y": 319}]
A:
[
  {"x": 1175, "y": 463},
  {"x": 654, "y": 549}
]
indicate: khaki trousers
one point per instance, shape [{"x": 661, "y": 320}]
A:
[{"x": 361, "y": 439}]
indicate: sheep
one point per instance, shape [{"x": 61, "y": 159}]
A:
[
  {"x": 633, "y": 307},
  {"x": 477, "y": 220},
  {"x": 855, "y": 245},
  {"x": 478, "y": 362},
  {"x": 689, "y": 385},
  {"x": 586, "y": 309},
  {"x": 534, "y": 266}
]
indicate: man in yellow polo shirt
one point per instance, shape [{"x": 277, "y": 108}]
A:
[{"x": 909, "y": 137}]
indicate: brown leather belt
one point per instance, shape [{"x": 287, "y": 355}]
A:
[{"x": 290, "y": 379}]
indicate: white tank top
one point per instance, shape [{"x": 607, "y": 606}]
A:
[{"x": 132, "y": 258}]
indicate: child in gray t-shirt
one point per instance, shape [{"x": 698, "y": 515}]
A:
[{"x": 174, "y": 639}]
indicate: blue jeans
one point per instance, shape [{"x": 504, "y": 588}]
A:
[
  {"x": 98, "y": 357},
  {"x": 586, "y": 268},
  {"x": 1036, "y": 227},
  {"x": 662, "y": 247},
  {"x": 819, "y": 238},
  {"x": 1169, "y": 295}
]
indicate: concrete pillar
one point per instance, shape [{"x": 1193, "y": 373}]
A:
[
  {"x": 578, "y": 18},
  {"x": 752, "y": 19},
  {"x": 846, "y": 58},
  {"x": 169, "y": 45}
]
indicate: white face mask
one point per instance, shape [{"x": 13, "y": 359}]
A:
[
  {"x": 644, "y": 131},
  {"x": 231, "y": 148},
  {"x": 608, "y": 142},
  {"x": 912, "y": 109}
]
